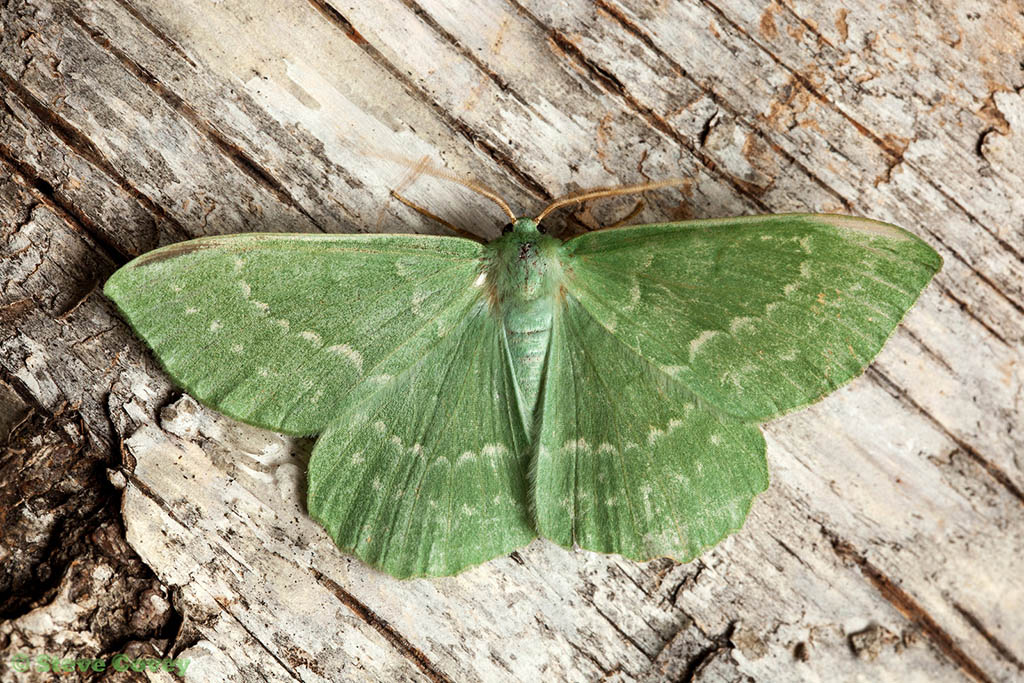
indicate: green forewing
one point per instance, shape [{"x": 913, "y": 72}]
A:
[
  {"x": 283, "y": 330},
  {"x": 757, "y": 315},
  {"x": 629, "y": 461},
  {"x": 428, "y": 476}
]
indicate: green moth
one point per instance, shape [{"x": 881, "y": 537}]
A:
[{"x": 603, "y": 392}]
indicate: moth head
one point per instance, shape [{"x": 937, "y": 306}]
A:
[{"x": 524, "y": 227}]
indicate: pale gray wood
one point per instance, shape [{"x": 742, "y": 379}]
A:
[{"x": 889, "y": 544}]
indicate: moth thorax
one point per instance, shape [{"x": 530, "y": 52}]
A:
[{"x": 532, "y": 272}]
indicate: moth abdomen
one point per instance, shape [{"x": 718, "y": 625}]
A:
[{"x": 528, "y": 331}]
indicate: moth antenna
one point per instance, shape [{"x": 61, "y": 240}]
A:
[
  {"x": 434, "y": 217},
  {"x": 424, "y": 167},
  {"x": 598, "y": 192},
  {"x": 415, "y": 171}
]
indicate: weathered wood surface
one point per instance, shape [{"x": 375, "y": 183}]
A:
[{"x": 890, "y": 544}]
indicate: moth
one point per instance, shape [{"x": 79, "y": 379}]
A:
[{"x": 604, "y": 392}]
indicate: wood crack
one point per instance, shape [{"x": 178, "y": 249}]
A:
[
  {"x": 620, "y": 17},
  {"x": 966, "y": 308},
  {"x": 12, "y": 312},
  {"x": 998, "y": 645},
  {"x": 790, "y": 551},
  {"x": 720, "y": 641},
  {"x": 929, "y": 351},
  {"x": 397, "y": 640},
  {"x": 589, "y": 656},
  {"x": 617, "y": 571},
  {"x": 235, "y": 154},
  {"x": 465, "y": 52},
  {"x": 625, "y": 636},
  {"x": 705, "y": 130},
  {"x": 25, "y": 395},
  {"x": 81, "y": 298},
  {"x": 611, "y": 84},
  {"x": 6, "y": 110},
  {"x": 84, "y": 147},
  {"x": 906, "y": 605},
  {"x": 499, "y": 157},
  {"x": 152, "y": 28},
  {"x": 145, "y": 490},
  {"x": 688, "y": 582},
  {"x": 68, "y": 211},
  {"x": 896, "y": 391},
  {"x": 225, "y": 608},
  {"x": 993, "y": 470}
]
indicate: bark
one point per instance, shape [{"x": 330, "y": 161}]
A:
[{"x": 133, "y": 520}]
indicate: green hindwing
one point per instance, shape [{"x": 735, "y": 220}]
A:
[
  {"x": 628, "y": 460},
  {"x": 756, "y": 315},
  {"x": 428, "y": 477},
  {"x": 281, "y": 330}
]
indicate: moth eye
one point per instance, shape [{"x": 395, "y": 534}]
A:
[
  {"x": 542, "y": 230},
  {"x": 507, "y": 229}
]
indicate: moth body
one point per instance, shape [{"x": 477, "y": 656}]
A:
[{"x": 524, "y": 276}]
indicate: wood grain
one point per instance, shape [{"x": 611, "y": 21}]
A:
[{"x": 889, "y": 544}]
